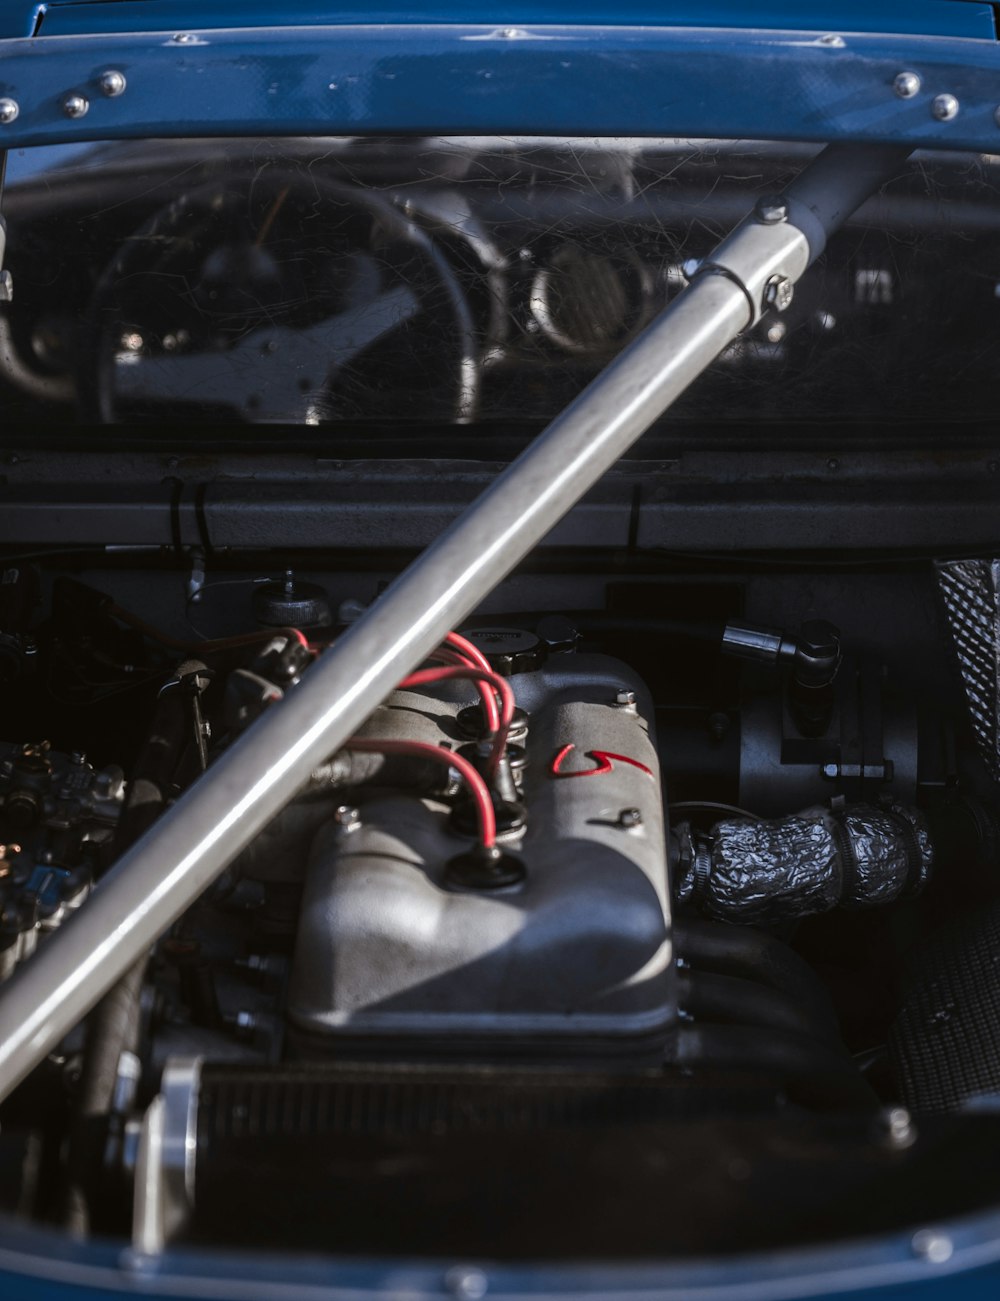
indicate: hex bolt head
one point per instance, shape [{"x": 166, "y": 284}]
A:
[
  {"x": 347, "y": 817},
  {"x": 75, "y": 106},
  {"x": 944, "y": 107},
  {"x": 625, "y": 699},
  {"x": 113, "y": 83},
  {"x": 770, "y": 210},
  {"x": 629, "y": 819},
  {"x": 778, "y": 293},
  {"x": 907, "y": 84},
  {"x": 9, "y": 110}
]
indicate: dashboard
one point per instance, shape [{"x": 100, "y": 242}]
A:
[{"x": 449, "y": 283}]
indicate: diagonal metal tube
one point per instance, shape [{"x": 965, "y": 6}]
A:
[{"x": 165, "y": 871}]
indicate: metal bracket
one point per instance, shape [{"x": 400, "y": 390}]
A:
[
  {"x": 765, "y": 255},
  {"x": 164, "y": 1173}
]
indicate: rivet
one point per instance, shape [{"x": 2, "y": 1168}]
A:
[
  {"x": 9, "y": 110},
  {"x": 906, "y": 85},
  {"x": 932, "y": 1246},
  {"x": 944, "y": 107},
  {"x": 75, "y": 106},
  {"x": 112, "y": 83}
]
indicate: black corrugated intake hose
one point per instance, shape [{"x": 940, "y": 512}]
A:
[
  {"x": 813, "y": 1073},
  {"x": 742, "y": 951},
  {"x": 113, "y": 1026},
  {"x": 728, "y": 1000}
]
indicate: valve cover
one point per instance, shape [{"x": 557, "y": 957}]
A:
[{"x": 580, "y": 951}]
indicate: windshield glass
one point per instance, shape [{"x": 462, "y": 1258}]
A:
[{"x": 358, "y": 286}]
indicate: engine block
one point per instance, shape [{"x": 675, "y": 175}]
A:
[{"x": 578, "y": 953}]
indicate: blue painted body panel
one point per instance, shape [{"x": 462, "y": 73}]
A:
[
  {"x": 639, "y": 68},
  {"x": 430, "y": 80},
  {"x": 959, "y": 18}
]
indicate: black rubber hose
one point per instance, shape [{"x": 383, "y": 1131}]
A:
[
  {"x": 728, "y": 1000},
  {"x": 814, "y": 1073},
  {"x": 754, "y": 955}
]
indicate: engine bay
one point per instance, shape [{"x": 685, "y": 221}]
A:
[{"x": 656, "y": 910}]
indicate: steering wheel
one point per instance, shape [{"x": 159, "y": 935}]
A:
[{"x": 279, "y": 297}]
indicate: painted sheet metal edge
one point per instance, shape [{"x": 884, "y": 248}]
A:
[
  {"x": 569, "y": 81},
  {"x": 973, "y": 19}
]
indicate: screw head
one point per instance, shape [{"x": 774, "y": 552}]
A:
[
  {"x": 75, "y": 106},
  {"x": 778, "y": 293},
  {"x": 944, "y": 107},
  {"x": 907, "y": 84},
  {"x": 9, "y": 110},
  {"x": 625, "y": 699},
  {"x": 770, "y": 209},
  {"x": 112, "y": 83},
  {"x": 629, "y": 818}
]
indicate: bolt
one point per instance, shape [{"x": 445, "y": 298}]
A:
[
  {"x": 625, "y": 699},
  {"x": 509, "y": 33},
  {"x": 836, "y": 42},
  {"x": 289, "y": 582},
  {"x": 932, "y": 1246},
  {"x": 906, "y": 85},
  {"x": 9, "y": 110},
  {"x": 112, "y": 83},
  {"x": 778, "y": 293},
  {"x": 75, "y": 106},
  {"x": 690, "y": 268},
  {"x": 833, "y": 463},
  {"x": 771, "y": 209},
  {"x": 185, "y": 38},
  {"x": 629, "y": 819},
  {"x": 944, "y": 107},
  {"x": 776, "y": 332},
  {"x": 347, "y": 817},
  {"x": 830, "y": 771},
  {"x": 899, "y": 1124}
]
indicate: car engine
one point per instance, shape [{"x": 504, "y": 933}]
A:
[{"x": 656, "y": 910}]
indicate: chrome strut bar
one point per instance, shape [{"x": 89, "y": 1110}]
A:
[{"x": 163, "y": 873}]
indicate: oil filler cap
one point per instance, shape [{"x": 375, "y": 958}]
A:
[{"x": 509, "y": 650}]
